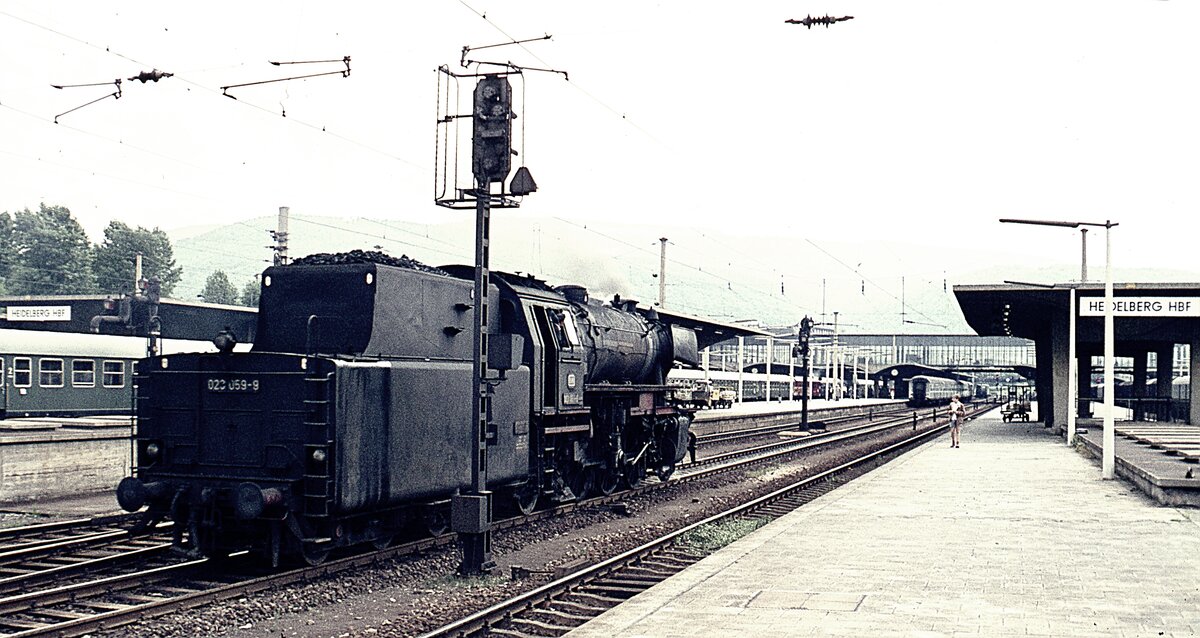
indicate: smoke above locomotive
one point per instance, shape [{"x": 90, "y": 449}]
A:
[{"x": 349, "y": 420}]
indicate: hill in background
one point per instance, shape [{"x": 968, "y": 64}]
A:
[{"x": 873, "y": 286}]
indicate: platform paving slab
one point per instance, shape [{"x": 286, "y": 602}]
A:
[
  {"x": 1013, "y": 534},
  {"x": 1169, "y": 474}
]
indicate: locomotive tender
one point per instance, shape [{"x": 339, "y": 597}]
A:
[{"x": 350, "y": 417}]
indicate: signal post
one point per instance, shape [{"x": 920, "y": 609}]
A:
[
  {"x": 802, "y": 348},
  {"x": 491, "y": 161}
]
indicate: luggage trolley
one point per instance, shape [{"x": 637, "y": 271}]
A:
[{"x": 1016, "y": 405}]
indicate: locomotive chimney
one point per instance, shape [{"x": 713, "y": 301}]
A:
[{"x": 573, "y": 293}]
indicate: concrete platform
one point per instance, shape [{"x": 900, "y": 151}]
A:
[
  {"x": 51, "y": 458},
  {"x": 1012, "y": 534},
  {"x": 1153, "y": 456}
]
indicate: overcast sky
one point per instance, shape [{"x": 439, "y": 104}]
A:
[{"x": 922, "y": 122}]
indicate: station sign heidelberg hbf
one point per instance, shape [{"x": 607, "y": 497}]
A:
[
  {"x": 37, "y": 313},
  {"x": 1142, "y": 306}
]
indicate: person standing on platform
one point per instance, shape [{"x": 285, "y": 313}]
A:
[{"x": 957, "y": 413}]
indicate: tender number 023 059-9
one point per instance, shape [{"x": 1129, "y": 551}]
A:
[{"x": 232, "y": 385}]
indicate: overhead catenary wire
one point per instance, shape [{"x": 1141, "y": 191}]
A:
[
  {"x": 121, "y": 143},
  {"x": 373, "y": 236},
  {"x": 108, "y": 176},
  {"x": 856, "y": 272},
  {"x": 712, "y": 274},
  {"x": 312, "y": 126},
  {"x": 574, "y": 84}
]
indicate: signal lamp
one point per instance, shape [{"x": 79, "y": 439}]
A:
[{"x": 491, "y": 143}]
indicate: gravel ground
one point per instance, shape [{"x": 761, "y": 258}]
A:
[
  {"x": 20, "y": 519},
  {"x": 408, "y": 596}
]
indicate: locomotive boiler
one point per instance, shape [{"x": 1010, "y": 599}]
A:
[{"x": 349, "y": 420}]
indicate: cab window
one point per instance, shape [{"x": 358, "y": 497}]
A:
[
  {"x": 563, "y": 326},
  {"x": 572, "y": 331}
]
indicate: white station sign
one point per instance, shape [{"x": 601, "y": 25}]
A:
[
  {"x": 1142, "y": 306},
  {"x": 38, "y": 313}
]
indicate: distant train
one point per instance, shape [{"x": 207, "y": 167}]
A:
[
  {"x": 754, "y": 384},
  {"x": 924, "y": 390}
]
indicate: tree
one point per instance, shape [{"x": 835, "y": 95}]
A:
[
  {"x": 217, "y": 289},
  {"x": 114, "y": 258},
  {"x": 53, "y": 255},
  {"x": 8, "y": 252},
  {"x": 250, "y": 293}
]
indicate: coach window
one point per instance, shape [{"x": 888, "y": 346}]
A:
[
  {"x": 22, "y": 368},
  {"x": 114, "y": 374},
  {"x": 50, "y": 373},
  {"x": 83, "y": 373}
]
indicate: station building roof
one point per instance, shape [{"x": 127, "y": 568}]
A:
[
  {"x": 180, "y": 318},
  {"x": 1024, "y": 310},
  {"x": 708, "y": 331},
  {"x": 910, "y": 370},
  {"x": 1028, "y": 310}
]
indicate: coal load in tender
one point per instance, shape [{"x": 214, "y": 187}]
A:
[{"x": 365, "y": 257}]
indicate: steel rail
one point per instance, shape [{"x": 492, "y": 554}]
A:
[{"x": 7, "y": 533}]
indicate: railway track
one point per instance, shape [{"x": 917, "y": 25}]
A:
[
  {"x": 770, "y": 450},
  {"x": 559, "y": 606},
  {"x": 29, "y": 536},
  {"x": 59, "y": 551},
  {"x": 100, "y": 602},
  {"x": 827, "y": 423}
]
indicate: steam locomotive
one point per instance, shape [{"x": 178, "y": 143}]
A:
[{"x": 350, "y": 418}]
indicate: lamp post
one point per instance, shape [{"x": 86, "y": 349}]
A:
[
  {"x": 1108, "y": 442},
  {"x": 1083, "y": 255},
  {"x": 1072, "y": 376}
]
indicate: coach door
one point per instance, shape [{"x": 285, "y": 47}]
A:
[{"x": 3, "y": 390}]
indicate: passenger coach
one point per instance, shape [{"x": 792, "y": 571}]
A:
[{"x": 52, "y": 363}]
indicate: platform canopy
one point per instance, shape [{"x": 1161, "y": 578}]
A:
[
  {"x": 1148, "y": 318},
  {"x": 1029, "y": 310},
  {"x": 708, "y": 331}
]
